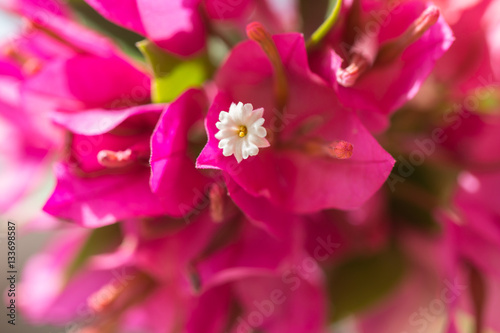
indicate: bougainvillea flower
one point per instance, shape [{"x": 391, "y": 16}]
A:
[
  {"x": 106, "y": 167},
  {"x": 168, "y": 249},
  {"x": 111, "y": 151},
  {"x": 261, "y": 212},
  {"x": 476, "y": 199},
  {"x": 20, "y": 61},
  {"x": 441, "y": 296},
  {"x": 147, "y": 268},
  {"x": 58, "y": 301},
  {"x": 241, "y": 258},
  {"x": 215, "y": 260},
  {"x": 477, "y": 226},
  {"x": 65, "y": 53},
  {"x": 428, "y": 294},
  {"x": 58, "y": 50},
  {"x": 103, "y": 292},
  {"x": 265, "y": 303},
  {"x": 301, "y": 170},
  {"x": 206, "y": 253},
  {"x": 119, "y": 296},
  {"x": 175, "y": 25},
  {"x": 473, "y": 228},
  {"x": 468, "y": 63},
  {"x": 265, "y": 283},
  {"x": 181, "y": 27},
  {"x": 115, "y": 84},
  {"x": 29, "y": 140},
  {"x": 255, "y": 202},
  {"x": 57, "y": 37},
  {"x": 38, "y": 10},
  {"x": 173, "y": 173},
  {"x": 378, "y": 65}
]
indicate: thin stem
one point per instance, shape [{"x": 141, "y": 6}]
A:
[{"x": 318, "y": 36}]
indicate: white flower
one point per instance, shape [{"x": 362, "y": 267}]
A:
[{"x": 241, "y": 132}]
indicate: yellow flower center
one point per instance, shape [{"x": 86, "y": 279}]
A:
[{"x": 242, "y": 131}]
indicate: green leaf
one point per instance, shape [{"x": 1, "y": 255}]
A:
[
  {"x": 100, "y": 241},
  {"x": 172, "y": 74},
  {"x": 360, "y": 282}
]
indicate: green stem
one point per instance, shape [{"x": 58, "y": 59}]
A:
[{"x": 320, "y": 33}]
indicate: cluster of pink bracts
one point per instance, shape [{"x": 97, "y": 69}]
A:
[{"x": 283, "y": 193}]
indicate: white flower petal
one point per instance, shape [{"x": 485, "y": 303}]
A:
[
  {"x": 259, "y": 142},
  {"x": 252, "y": 149},
  {"x": 256, "y": 114},
  {"x": 238, "y": 150},
  {"x": 261, "y": 132},
  {"x": 245, "y": 147},
  {"x": 223, "y": 143},
  {"x": 223, "y": 115},
  {"x": 258, "y": 123},
  {"x": 228, "y": 149},
  {"x": 225, "y": 133},
  {"x": 247, "y": 112}
]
